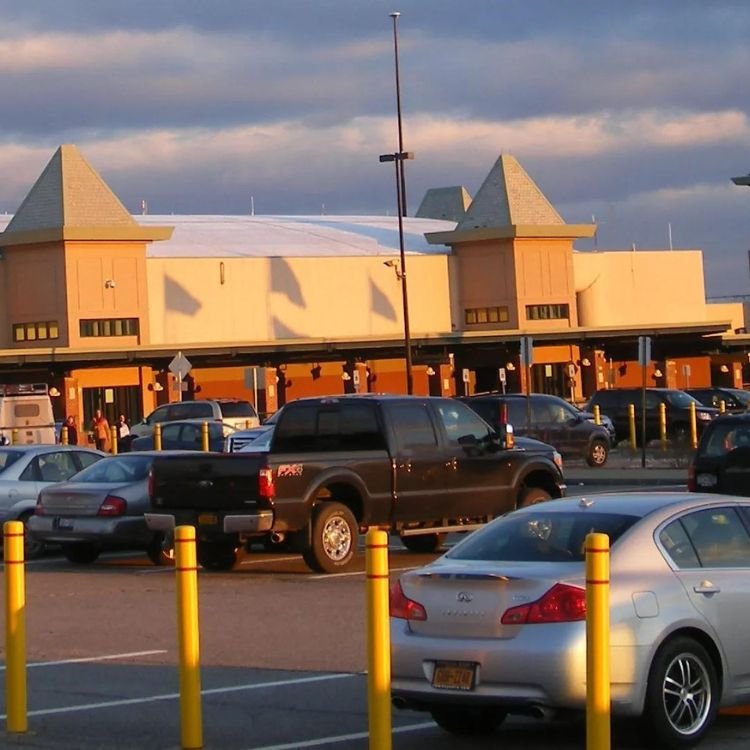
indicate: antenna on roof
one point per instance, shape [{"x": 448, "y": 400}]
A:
[
  {"x": 252, "y": 206},
  {"x": 322, "y": 209},
  {"x": 144, "y": 207},
  {"x": 669, "y": 231},
  {"x": 633, "y": 248}
]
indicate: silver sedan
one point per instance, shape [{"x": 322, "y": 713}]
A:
[
  {"x": 27, "y": 469},
  {"x": 101, "y": 507},
  {"x": 497, "y": 624}
]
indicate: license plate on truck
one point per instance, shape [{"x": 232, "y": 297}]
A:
[
  {"x": 208, "y": 519},
  {"x": 454, "y": 676}
]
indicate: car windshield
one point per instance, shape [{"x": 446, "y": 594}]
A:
[
  {"x": 742, "y": 396},
  {"x": 681, "y": 399},
  {"x": 8, "y": 458},
  {"x": 540, "y": 537},
  {"x": 117, "y": 469}
]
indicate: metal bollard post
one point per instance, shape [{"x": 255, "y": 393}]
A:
[
  {"x": 157, "y": 437},
  {"x": 693, "y": 426},
  {"x": 663, "y": 426},
  {"x": 14, "y": 436},
  {"x": 16, "y": 719},
  {"x": 378, "y": 641},
  {"x": 64, "y": 435},
  {"x": 186, "y": 569},
  {"x": 598, "y": 728},
  {"x": 597, "y": 414},
  {"x": 722, "y": 406},
  {"x": 205, "y": 445},
  {"x": 113, "y": 441},
  {"x": 631, "y": 423}
]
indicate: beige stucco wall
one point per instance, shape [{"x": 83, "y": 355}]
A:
[
  {"x": 270, "y": 299},
  {"x": 736, "y": 312},
  {"x": 640, "y": 287}
]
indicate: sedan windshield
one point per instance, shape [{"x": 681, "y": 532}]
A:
[
  {"x": 116, "y": 469},
  {"x": 8, "y": 458},
  {"x": 681, "y": 399},
  {"x": 540, "y": 537}
]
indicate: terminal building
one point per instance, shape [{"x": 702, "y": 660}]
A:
[{"x": 98, "y": 303}]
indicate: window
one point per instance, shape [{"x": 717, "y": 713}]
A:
[
  {"x": 460, "y": 423},
  {"x": 547, "y": 312},
  {"x": 719, "y": 538},
  {"x": 36, "y": 331},
  {"x": 477, "y": 315},
  {"x": 109, "y": 327},
  {"x": 412, "y": 425}
]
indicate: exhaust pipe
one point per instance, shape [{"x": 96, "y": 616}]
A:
[
  {"x": 541, "y": 712},
  {"x": 277, "y": 537}
]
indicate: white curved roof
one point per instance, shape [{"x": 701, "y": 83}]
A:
[{"x": 292, "y": 236}]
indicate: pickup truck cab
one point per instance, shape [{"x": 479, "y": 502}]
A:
[{"x": 417, "y": 466}]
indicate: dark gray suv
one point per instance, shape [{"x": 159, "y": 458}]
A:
[{"x": 553, "y": 420}]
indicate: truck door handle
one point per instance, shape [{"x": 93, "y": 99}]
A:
[
  {"x": 406, "y": 466},
  {"x": 452, "y": 463},
  {"x": 706, "y": 587}
]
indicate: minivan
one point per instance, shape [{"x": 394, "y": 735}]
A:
[
  {"x": 553, "y": 421},
  {"x": 234, "y": 412}
]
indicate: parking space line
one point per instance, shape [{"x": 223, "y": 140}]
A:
[
  {"x": 85, "y": 659},
  {"x": 354, "y": 573},
  {"x": 270, "y": 559},
  {"x": 175, "y": 696},
  {"x": 344, "y": 738}
]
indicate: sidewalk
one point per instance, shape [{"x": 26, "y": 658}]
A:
[{"x": 623, "y": 467}]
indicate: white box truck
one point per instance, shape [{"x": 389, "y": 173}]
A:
[{"x": 26, "y": 414}]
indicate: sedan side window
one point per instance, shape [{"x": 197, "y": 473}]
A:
[
  {"x": 86, "y": 459},
  {"x": 56, "y": 467},
  {"x": 461, "y": 422},
  {"x": 677, "y": 545},
  {"x": 719, "y": 538}
]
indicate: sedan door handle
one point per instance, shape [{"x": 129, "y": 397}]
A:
[{"x": 706, "y": 587}]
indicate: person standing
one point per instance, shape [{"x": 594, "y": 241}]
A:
[
  {"x": 123, "y": 433},
  {"x": 70, "y": 425},
  {"x": 100, "y": 428}
]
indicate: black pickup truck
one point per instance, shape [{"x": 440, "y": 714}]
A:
[{"x": 417, "y": 466}]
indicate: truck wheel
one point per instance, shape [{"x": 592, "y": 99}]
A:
[
  {"x": 334, "y": 539},
  {"x": 81, "y": 553},
  {"x": 217, "y": 555},
  {"x": 532, "y": 496},
  {"x": 159, "y": 552},
  {"x": 423, "y": 543},
  {"x": 597, "y": 453}
]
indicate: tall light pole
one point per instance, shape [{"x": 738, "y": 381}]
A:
[
  {"x": 398, "y": 159},
  {"x": 402, "y": 203}
]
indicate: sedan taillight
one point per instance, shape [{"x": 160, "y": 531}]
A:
[
  {"x": 403, "y": 608},
  {"x": 562, "y": 603},
  {"x": 112, "y": 506}
]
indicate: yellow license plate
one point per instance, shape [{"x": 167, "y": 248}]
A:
[
  {"x": 208, "y": 519},
  {"x": 454, "y": 676}
]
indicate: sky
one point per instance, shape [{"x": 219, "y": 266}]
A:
[{"x": 635, "y": 113}]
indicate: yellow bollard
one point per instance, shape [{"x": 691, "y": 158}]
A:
[
  {"x": 14, "y": 436},
  {"x": 64, "y": 435},
  {"x": 722, "y": 407},
  {"x": 16, "y": 719},
  {"x": 598, "y": 730},
  {"x": 186, "y": 569},
  {"x": 693, "y": 426},
  {"x": 597, "y": 414},
  {"x": 378, "y": 641},
  {"x": 663, "y": 426},
  {"x": 205, "y": 445},
  {"x": 157, "y": 437},
  {"x": 631, "y": 423},
  {"x": 113, "y": 441}
]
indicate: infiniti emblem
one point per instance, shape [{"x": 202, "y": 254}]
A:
[{"x": 464, "y": 596}]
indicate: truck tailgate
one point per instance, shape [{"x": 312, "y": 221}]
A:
[{"x": 206, "y": 480}]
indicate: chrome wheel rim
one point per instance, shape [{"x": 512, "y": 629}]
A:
[
  {"x": 686, "y": 694},
  {"x": 598, "y": 454},
  {"x": 337, "y": 538}
]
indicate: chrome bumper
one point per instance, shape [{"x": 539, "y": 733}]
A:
[{"x": 255, "y": 523}]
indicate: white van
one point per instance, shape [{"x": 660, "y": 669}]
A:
[{"x": 26, "y": 414}]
